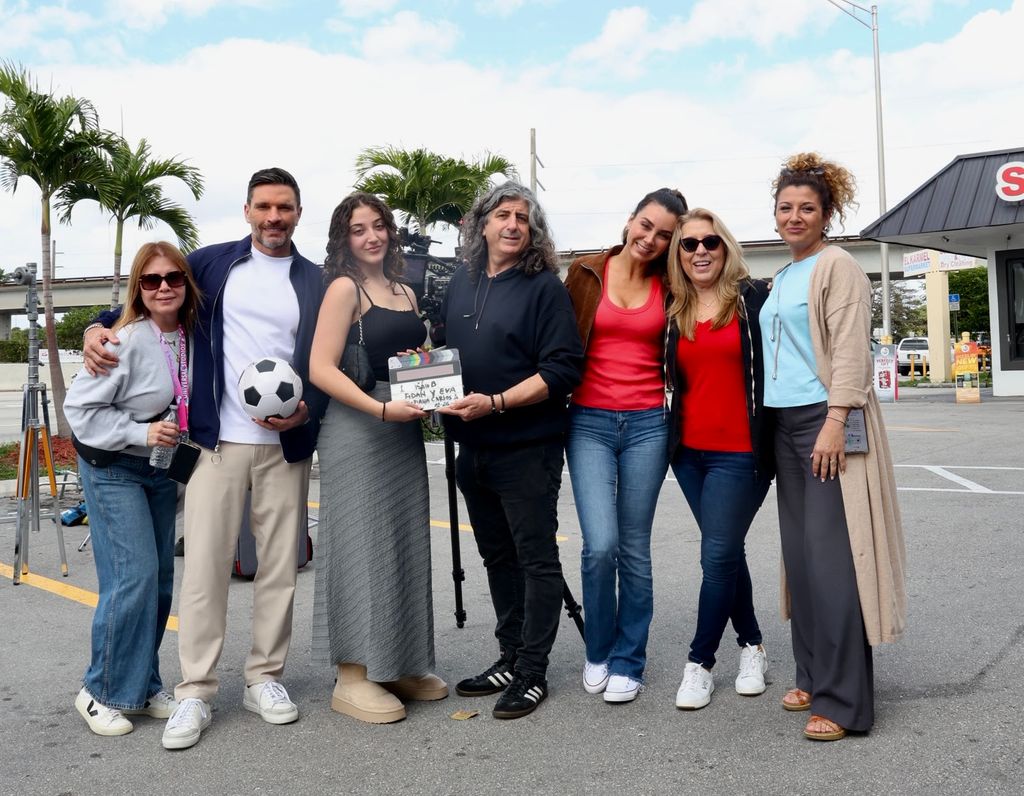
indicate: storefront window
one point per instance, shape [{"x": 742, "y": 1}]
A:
[{"x": 1015, "y": 315}]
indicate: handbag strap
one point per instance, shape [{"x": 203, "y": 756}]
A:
[{"x": 360, "y": 291}]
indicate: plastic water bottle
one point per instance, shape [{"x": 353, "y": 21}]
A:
[{"x": 161, "y": 456}]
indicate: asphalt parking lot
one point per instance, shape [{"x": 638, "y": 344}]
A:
[{"x": 949, "y": 704}]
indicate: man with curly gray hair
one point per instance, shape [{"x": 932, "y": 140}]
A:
[{"x": 510, "y": 317}]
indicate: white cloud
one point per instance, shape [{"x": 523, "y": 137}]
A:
[
  {"x": 602, "y": 150},
  {"x": 753, "y": 20},
  {"x": 913, "y": 12},
  {"x": 149, "y": 14},
  {"x": 623, "y": 44},
  {"x": 630, "y": 36},
  {"x": 26, "y": 28},
  {"x": 365, "y": 8},
  {"x": 498, "y": 8},
  {"x": 408, "y": 34}
]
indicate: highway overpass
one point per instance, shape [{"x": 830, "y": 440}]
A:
[{"x": 764, "y": 257}]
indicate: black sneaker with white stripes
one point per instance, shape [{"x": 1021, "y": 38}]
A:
[
  {"x": 521, "y": 697},
  {"x": 492, "y": 681}
]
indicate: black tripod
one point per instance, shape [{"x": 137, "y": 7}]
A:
[{"x": 572, "y": 607}]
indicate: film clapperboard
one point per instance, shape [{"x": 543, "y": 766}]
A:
[{"x": 427, "y": 378}]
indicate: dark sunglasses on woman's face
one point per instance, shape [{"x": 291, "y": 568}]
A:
[
  {"x": 711, "y": 242},
  {"x": 152, "y": 281}
]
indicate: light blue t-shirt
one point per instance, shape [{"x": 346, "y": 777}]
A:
[{"x": 790, "y": 370}]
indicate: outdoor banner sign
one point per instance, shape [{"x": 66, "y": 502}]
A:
[
  {"x": 965, "y": 370},
  {"x": 925, "y": 260},
  {"x": 427, "y": 378},
  {"x": 886, "y": 387}
]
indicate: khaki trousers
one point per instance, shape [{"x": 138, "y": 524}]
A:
[{"x": 214, "y": 502}]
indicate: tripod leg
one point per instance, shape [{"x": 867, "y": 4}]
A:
[
  {"x": 21, "y": 534},
  {"x": 48, "y": 460},
  {"x": 33, "y": 487},
  {"x": 572, "y": 608},
  {"x": 458, "y": 574},
  {"x": 44, "y": 430}
]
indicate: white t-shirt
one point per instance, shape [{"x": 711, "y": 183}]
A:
[{"x": 261, "y": 318}]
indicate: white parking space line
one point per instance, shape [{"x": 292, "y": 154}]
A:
[
  {"x": 966, "y": 486},
  {"x": 956, "y": 479}
]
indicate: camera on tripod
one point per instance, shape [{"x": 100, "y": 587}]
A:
[{"x": 428, "y": 276}]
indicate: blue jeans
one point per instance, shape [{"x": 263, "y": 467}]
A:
[
  {"x": 617, "y": 464},
  {"x": 724, "y": 493},
  {"x": 131, "y": 517}
]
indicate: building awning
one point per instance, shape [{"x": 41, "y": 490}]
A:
[{"x": 958, "y": 210}]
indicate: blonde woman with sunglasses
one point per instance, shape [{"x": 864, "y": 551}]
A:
[
  {"x": 116, "y": 422},
  {"x": 720, "y": 439}
]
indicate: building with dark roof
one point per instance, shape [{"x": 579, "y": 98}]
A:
[{"x": 975, "y": 206}]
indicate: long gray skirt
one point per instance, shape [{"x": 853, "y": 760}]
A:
[{"x": 372, "y": 601}]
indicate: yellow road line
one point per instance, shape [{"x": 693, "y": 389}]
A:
[
  {"x": 66, "y": 590},
  {"x": 85, "y": 597},
  {"x": 443, "y": 524}
]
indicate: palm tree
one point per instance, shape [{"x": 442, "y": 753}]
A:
[
  {"x": 131, "y": 189},
  {"x": 53, "y": 141},
  {"x": 426, "y": 187}
]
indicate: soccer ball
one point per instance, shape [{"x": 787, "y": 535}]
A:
[{"x": 269, "y": 387}]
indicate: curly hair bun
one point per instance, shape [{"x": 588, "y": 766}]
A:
[{"x": 835, "y": 184}]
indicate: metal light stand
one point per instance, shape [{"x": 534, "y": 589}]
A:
[
  {"x": 458, "y": 573},
  {"x": 33, "y": 431}
]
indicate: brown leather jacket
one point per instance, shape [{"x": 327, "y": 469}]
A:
[{"x": 585, "y": 287}]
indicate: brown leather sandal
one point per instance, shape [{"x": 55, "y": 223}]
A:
[
  {"x": 833, "y": 733},
  {"x": 796, "y": 699}
]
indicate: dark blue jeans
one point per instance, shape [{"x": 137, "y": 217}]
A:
[
  {"x": 617, "y": 463},
  {"x": 131, "y": 518},
  {"x": 511, "y": 494},
  {"x": 724, "y": 494}
]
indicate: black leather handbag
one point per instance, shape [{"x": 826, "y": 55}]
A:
[{"x": 355, "y": 362}]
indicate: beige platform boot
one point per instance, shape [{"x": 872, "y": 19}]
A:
[
  {"x": 363, "y": 699},
  {"x": 426, "y": 688}
]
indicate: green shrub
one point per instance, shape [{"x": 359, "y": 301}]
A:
[{"x": 13, "y": 351}]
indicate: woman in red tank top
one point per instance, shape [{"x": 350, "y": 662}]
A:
[
  {"x": 721, "y": 440},
  {"x": 617, "y": 439}
]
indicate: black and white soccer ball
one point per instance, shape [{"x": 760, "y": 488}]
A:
[{"x": 269, "y": 387}]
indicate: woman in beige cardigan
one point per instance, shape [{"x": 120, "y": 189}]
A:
[{"x": 842, "y": 542}]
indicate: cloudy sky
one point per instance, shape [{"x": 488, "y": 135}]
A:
[{"x": 708, "y": 96}]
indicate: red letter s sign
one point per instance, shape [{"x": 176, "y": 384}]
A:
[{"x": 1010, "y": 181}]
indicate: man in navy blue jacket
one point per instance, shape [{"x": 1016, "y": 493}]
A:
[
  {"x": 511, "y": 319},
  {"x": 260, "y": 298}
]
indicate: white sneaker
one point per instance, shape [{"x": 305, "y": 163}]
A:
[
  {"x": 101, "y": 719},
  {"x": 753, "y": 666},
  {"x": 696, "y": 689},
  {"x": 189, "y": 719},
  {"x": 621, "y": 688},
  {"x": 159, "y": 706},
  {"x": 595, "y": 677},
  {"x": 271, "y": 701}
]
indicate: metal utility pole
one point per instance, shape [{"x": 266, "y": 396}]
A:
[
  {"x": 534, "y": 160},
  {"x": 883, "y": 250}
]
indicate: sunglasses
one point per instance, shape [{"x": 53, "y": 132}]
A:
[
  {"x": 711, "y": 242},
  {"x": 817, "y": 171},
  {"x": 152, "y": 281}
]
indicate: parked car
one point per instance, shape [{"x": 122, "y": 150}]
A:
[{"x": 918, "y": 346}]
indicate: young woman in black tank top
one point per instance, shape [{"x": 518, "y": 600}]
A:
[{"x": 372, "y": 613}]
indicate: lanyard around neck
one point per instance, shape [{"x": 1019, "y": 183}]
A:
[{"x": 179, "y": 372}]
